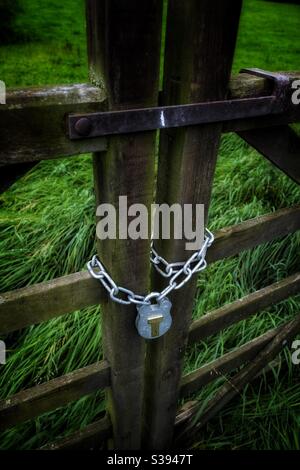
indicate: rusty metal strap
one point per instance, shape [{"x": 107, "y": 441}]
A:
[{"x": 137, "y": 120}]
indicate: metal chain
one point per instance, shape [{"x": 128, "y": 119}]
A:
[{"x": 179, "y": 274}]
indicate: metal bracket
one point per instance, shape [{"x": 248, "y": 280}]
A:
[
  {"x": 281, "y": 82},
  {"x": 81, "y": 126}
]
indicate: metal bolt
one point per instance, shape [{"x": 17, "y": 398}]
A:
[{"x": 83, "y": 126}]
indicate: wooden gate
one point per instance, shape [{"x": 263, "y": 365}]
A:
[{"x": 144, "y": 379}]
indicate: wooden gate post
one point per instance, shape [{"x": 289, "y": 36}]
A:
[
  {"x": 124, "y": 52},
  {"x": 200, "y": 43}
]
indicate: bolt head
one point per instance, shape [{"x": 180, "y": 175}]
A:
[{"x": 83, "y": 126}]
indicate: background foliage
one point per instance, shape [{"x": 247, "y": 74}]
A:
[{"x": 47, "y": 230}]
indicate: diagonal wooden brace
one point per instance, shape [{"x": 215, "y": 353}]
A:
[{"x": 280, "y": 145}]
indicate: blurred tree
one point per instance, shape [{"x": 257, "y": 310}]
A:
[{"x": 9, "y": 9}]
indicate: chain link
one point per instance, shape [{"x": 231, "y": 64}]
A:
[{"x": 179, "y": 273}]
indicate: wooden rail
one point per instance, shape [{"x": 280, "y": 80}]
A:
[
  {"x": 95, "y": 434},
  {"x": 89, "y": 438},
  {"x": 35, "y": 116},
  {"x": 41, "y": 302},
  {"x": 283, "y": 337},
  {"x": 58, "y": 392},
  {"x": 142, "y": 394},
  {"x": 48, "y": 396},
  {"x": 230, "y": 241},
  {"x": 193, "y": 381},
  {"x": 45, "y": 397},
  {"x": 243, "y": 308}
]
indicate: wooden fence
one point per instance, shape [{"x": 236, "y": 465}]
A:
[{"x": 144, "y": 381}]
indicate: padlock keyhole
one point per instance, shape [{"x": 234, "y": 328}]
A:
[{"x": 154, "y": 321}]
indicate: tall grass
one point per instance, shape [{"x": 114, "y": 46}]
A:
[{"x": 47, "y": 230}]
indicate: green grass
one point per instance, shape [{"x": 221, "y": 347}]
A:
[
  {"x": 269, "y": 36},
  {"x": 47, "y": 230},
  {"x": 56, "y": 54}
]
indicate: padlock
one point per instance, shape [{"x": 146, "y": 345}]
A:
[{"x": 154, "y": 320}]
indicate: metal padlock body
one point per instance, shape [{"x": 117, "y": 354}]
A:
[{"x": 145, "y": 312}]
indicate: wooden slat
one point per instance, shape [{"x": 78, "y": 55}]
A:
[
  {"x": 235, "y": 385},
  {"x": 124, "y": 52},
  {"x": 48, "y": 396},
  {"x": 89, "y": 438},
  {"x": 232, "y": 240},
  {"x": 243, "y": 308},
  {"x": 32, "y": 123},
  {"x": 190, "y": 407},
  {"x": 200, "y": 37},
  {"x": 280, "y": 145},
  {"x": 193, "y": 381},
  {"x": 35, "y": 117},
  {"x": 41, "y": 302},
  {"x": 242, "y": 86}
]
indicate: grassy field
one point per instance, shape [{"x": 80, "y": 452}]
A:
[{"x": 47, "y": 230}]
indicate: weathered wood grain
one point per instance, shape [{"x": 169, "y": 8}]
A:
[
  {"x": 221, "y": 318},
  {"x": 200, "y": 42},
  {"x": 280, "y": 145},
  {"x": 35, "y": 116},
  {"x": 32, "y": 122},
  {"x": 48, "y": 396},
  {"x": 124, "y": 53},
  {"x": 230, "y": 241},
  {"x": 89, "y": 438},
  {"x": 41, "y": 302},
  {"x": 193, "y": 381},
  {"x": 241, "y": 86},
  {"x": 235, "y": 385},
  {"x": 190, "y": 407}
]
